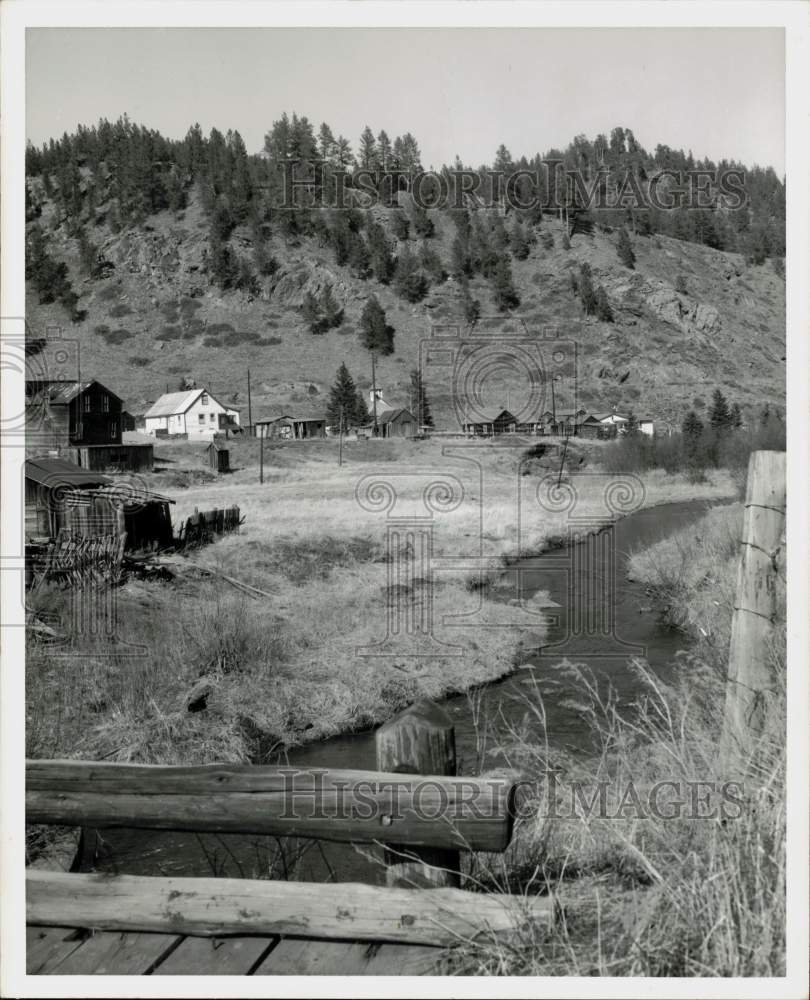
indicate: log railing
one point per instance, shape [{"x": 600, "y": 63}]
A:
[{"x": 425, "y": 819}]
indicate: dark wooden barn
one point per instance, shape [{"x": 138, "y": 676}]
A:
[{"x": 72, "y": 413}]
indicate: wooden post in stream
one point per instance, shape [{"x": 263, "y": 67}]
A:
[
  {"x": 750, "y": 669},
  {"x": 420, "y": 740}
]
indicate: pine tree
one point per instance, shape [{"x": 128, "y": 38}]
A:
[
  {"x": 422, "y": 224},
  {"x": 376, "y": 334},
  {"x": 368, "y": 150},
  {"x": 343, "y": 399},
  {"x": 603, "y": 310},
  {"x": 420, "y": 400},
  {"x": 432, "y": 264},
  {"x": 519, "y": 241},
  {"x": 400, "y": 225},
  {"x": 460, "y": 261},
  {"x": 359, "y": 256},
  {"x": 409, "y": 281},
  {"x": 735, "y": 417},
  {"x": 624, "y": 249},
  {"x": 470, "y": 306},
  {"x": 503, "y": 288},
  {"x": 331, "y": 310},
  {"x": 382, "y": 260},
  {"x": 692, "y": 427},
  {"x": 384, "y": 150},
  {"x": 719, "y": 414},
  {"x": 586, "y": 293}
]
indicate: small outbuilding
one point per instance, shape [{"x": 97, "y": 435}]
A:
[
  {"x": 292, "y": 427},
  {"x": 218, "y": 457}
]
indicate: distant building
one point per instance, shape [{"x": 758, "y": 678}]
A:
[
  {"x": 194, "y": 413},
  {"x": 488, "y": 424},
  {"x": 292, "y": 427},
  {"x": 399, "y": 423},
  {"x": 619, "y": 422}
]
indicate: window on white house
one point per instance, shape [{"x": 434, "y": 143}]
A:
[
  {"x": 201, "y": 418},
  {"x": 204, "y": 399},
  {"x": 213, "y": 417}
]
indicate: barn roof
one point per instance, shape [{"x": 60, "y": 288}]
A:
[
  {"x": 63, "y": 391},
  {"x": 55, "y": 472}
]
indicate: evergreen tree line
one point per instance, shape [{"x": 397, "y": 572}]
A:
[{"x": 123, "y": 173}]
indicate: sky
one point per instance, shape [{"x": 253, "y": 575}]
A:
[{"x": 716, "y": 91}]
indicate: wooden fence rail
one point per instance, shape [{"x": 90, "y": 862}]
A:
[{"x": 342, "y": 805}]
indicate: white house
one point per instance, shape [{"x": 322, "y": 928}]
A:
[
  {"x": 194, "y": 412},
  {"x": 620, "y": 420}
]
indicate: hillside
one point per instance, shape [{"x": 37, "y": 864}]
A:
[{"x": 155, "y": 317}]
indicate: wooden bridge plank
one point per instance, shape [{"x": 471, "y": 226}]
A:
[
  {"x": 199, "y": 956},
  {"x": 405, "y": 960},
  {"x": 109, "y": 953},
  {"x": 310, "y": 957},
  {"x": 46, "y": 947}
]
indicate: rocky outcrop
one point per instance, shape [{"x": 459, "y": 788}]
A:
[{"x": 636, "y": 295}]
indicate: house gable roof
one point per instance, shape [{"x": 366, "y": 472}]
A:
[
  {"x": 172, "y": 403},
  {"x": 389, "y": 415},
  {"x": 63, "y": 391}
]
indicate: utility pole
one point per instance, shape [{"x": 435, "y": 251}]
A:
[
  {"x": 340, "y": 437},
  {"x": 250, "y": 411},
  {"x": 553, "y": 403},
  {"x": 261, "y": 456},
  {"x": 374, "y": 391}
]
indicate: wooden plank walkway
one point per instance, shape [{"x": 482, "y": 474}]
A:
[{"x": 66, "y": 951}]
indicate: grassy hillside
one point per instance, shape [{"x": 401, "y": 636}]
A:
[{"x": 156, "y": 318}]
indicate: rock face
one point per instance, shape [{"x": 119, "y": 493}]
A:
[
  {"x": 636, "y": 295},
  {"x": 683, "y": 312},
  {"x": 291, "y": 283}
]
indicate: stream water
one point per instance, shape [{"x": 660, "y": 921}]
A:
[{"x": 601, "y": 619}]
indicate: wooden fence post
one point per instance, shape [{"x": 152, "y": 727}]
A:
[
  {"x": 420, "y": 740},
  {"x": 750, "y": 672}
]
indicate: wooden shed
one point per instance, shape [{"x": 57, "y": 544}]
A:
[
  {"x": 218, "y": 457},
  {"x": 61, "y": 497}
]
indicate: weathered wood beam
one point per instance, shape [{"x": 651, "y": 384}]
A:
[
  {"x": 751, "y": 673},
  {"x": 361, "y": 806},
  {"x": 219, "y": 906}
]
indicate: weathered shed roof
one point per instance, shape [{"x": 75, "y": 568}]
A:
[{"x": 56, "y": 472}]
